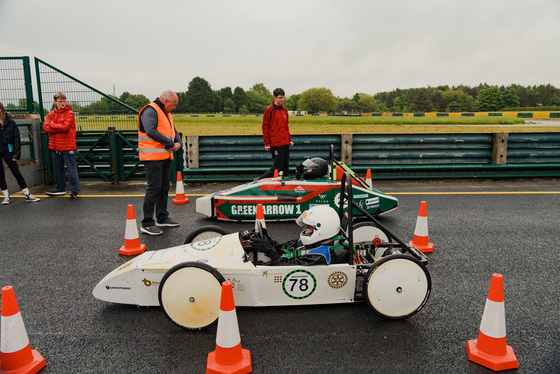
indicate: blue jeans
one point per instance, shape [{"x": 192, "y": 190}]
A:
[{"x": 68, "y": 159}]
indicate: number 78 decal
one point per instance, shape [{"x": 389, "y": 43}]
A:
[{"x": 299, "y": 284}]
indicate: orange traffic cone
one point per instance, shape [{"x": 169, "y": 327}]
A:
[
  {"x": 275, "y": 173},
  {"x": 16, "y": 355},
  {"x": 260, "y": 217},
  {"x": 368, "y": 178},
  {"x": 490, "y": 349},
  {"x": 132, "y": 244},
  {"x": 420, "y": 239},
  {"x": 228, "y": 357},
  {"x": 180, "y": 197}
]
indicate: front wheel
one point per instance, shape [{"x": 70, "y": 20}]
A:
[
  {"x": 397, "y": 286},
  {"x": 189, "y": 294},
  {"x": 205, "y": 233}
]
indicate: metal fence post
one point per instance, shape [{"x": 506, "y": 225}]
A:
[{"x": 113, "y": 155}]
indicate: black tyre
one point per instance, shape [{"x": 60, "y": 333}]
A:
[
  {"x": 397, "y": 286},
  {"x": 189, "y": 295},
  {"x": 204, "y": 233}
]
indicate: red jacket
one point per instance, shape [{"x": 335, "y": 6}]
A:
[
  {"x": 61, "y": 127},
  {"x": 275, "y": 128}
]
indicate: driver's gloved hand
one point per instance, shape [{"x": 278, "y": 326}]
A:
[
  {"x": 264, "y": 246},
  {"x": 265, "y": 233}
]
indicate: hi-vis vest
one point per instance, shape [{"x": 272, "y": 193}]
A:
[{"x": 148, "y": 148}]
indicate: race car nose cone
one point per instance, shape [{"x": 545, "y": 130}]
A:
[{"x": 204, "y": 205}]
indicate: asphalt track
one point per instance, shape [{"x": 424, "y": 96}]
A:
[{"x": 55, "y": 251}]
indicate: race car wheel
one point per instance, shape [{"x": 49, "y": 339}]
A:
[
  {"x": 365, "y": 231},
  {"x": 397, "y": 286},
  {"x": 204, "y": 233},
  {"x": 189, "y": 294}
]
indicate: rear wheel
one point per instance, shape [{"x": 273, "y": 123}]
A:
[
  {"x": 397, "y": 286},
  {"x": 189, "y": 295},
  {"x": 204, "y": 233}
]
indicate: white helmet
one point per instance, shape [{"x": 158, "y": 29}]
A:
[{"x": 319, "y": 223}]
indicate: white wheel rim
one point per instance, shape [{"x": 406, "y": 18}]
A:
[
  {"x": 367, "y": 234},
  {"x": 397, "y": 287},
  {"x": 191, "y": 297}
]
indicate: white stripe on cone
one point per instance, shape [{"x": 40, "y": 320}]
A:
[
  {"x": 421, "y": 226},
  {"x": 180, "y": 188},
  {"x": 18, "y": 336},
  {"x": 131, "y": 231},
  {"x": 493, "y": 322},
  {"x": 228, "y": 330}
]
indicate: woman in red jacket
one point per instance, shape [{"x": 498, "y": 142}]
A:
[{"x": 61, "y": 127}]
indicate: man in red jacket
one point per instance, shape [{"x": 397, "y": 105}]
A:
[
  {"x": 276, "y": 135},
  {"x": 61, "y": 127}
]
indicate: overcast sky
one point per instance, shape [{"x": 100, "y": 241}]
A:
[{"x": 145, "y": 47}]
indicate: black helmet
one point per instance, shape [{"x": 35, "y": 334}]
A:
[{"x": 313, "y": 168}]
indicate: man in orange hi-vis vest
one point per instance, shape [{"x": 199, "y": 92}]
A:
[{"x": 157, "y": 140}]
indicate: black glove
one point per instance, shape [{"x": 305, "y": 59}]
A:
[{"x": 264, "y": 246}]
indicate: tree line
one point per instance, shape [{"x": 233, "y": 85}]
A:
[{"x": 201, "y": 98}]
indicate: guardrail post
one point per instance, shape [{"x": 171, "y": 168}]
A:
[
  {"x": 499, "y": 148},
  {"x": 113, "y": 154},
  {"x": 346, "y": 148},
  {"x": 192, "y": 144}
]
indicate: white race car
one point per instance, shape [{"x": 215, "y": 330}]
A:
[{"x": 370, "y": 263}]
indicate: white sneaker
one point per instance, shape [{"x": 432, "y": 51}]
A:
[
  {"x": 31, "y": 199},
  {"x": 6, "y": 200}
]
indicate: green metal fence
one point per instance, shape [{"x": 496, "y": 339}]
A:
[
  {"x": 110, "y": 155},
  {"x": 94, "y": 110},
  {"x": 396, "y": 156},
  {"x": 16, "y": 89}
]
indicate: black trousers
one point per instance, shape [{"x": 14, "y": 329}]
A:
[
  {"x": 7, "y": 157},
  {"x": 281, "y": 161},
  {"x": 158, "y": 175}
]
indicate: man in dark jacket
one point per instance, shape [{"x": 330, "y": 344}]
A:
[
  {"x": 276, "y": 135},
  {"x": 61, "y": 127}
]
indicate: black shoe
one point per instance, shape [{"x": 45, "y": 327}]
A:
[
  {"x": 73, "y": 195},
  {"x": 168, "y": 223},
  {"x": 56, "y": 193},
  {"x": 151, "y": 230}
]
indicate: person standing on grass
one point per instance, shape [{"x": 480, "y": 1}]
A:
[
  {"x": 10, "y": 152},
  {"x": 61, "y": 127},
  {"x": 276, "y": 135},
  {"x": 157, "y": 140}
]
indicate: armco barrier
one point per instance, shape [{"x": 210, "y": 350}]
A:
[{"x": 389, "y": 156}]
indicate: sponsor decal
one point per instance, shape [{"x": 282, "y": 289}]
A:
[
  {"x": 149, "y": 283},
  {"x": 372, "y": 201},
  {"x": 205, "y": 245},
  {"x": 116, "y": 288},
  {"x": 360, "y": 196},
  {"x": 299, "y": 189},
  {"x": 323, "y": 195},
  {"x": 299, "y": 284},
  {"x": 372, "y": 206},
  {"x": 338, "y": 279}
]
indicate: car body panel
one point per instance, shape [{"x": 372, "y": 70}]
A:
[
  {"x": 137, "y": 281},
  {"x": 286, "y": 199}
]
